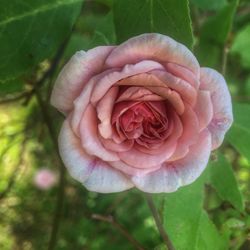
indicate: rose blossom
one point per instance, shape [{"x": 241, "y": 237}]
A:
[
  {"x": 141, "y": 114},
  {"x": 45, "y": 179}
]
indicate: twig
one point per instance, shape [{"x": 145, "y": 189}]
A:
[
  {"x": 158, "y": 223},
  {"x": 110, "y": 219},
  {"x": 224, "y": 59}
]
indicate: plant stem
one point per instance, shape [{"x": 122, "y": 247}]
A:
[{"x": 158, "y": 222}]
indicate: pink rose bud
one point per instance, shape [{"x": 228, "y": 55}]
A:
[
  {"x": 141, "y": 114},
  {"x": 45, "y": 179}
]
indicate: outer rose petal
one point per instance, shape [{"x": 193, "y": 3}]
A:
[
  {"x": 89, "y": 137},
  {"x": 80, "y": 68},
  {"x": 109, "y": 80},
  {"x": 105, "y": 179},
  {"x": 204, "y": 108},
  {"x": 222, "y": 119},
  {"x": 94, "y": 174},
  {"x": 178, "y": 173},
  {"x": 153, "y": 47},
  {"x": 79, "y": 164}
]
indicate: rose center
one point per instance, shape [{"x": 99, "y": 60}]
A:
[{"x": 145, "y": 122}]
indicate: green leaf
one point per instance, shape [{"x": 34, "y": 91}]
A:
[
  {"x": 105, "y": 32},
  {"x": 239, "y": 134},
  {"x": 209, "y": 4},
  {"x": 31, "y": 31},
  {"x": 241, "y": 46},
  {"x": 222, "y": 178},
  {"x": 169, "y": 17},
  {"x": 187, "y": 223},
  {"x": 214, "y": 34},
  {"x": 208, "y": 237}
]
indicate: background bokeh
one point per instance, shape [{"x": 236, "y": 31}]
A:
[{"x": 36, "y": 39}]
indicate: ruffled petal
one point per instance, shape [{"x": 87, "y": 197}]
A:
[
  {"x": 82, "y": 101},
  {"x": 89, "y": 137},
  {"x": 153, "y": 46},
  {"x": 80, "y": 68},
  {"x": 129, "y": 170},
  {"x": 183, "y": 73},
  {"x": 222, "y": 119},
  {"x": 155, "y": 85},
  {"x": 204, "y": 108},
  {"x": 109, "y": 80},
  {"x": 178, "y": 173},
  {"x": 186, "y": 90},
  {"x": 190, "y": 133},
  {"x": 193, "y": 164},
  {"x": 139, "y": 159},
  {"x": 79, "y": 164},
  {"x": 105, "y": 179},
  {"x": 104, "y": 112}
]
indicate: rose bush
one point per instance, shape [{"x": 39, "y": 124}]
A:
[{"x": 141, "y": 114}]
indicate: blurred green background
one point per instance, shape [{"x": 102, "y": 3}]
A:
[{"x": 36, "y": 39}]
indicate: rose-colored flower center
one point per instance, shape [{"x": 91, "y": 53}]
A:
[{"x": 145, "y": 122}]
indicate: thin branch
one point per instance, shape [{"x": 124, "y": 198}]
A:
[
  {"x": 158, "y": 223},
  {"x": 110, "y": 219},
  {"x": 224, "y": 59}
]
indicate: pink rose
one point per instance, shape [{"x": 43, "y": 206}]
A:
[
  {"x": 140, "y": 114},
  {"x": 45, "y": 179}
]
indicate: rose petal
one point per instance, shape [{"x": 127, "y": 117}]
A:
[
  {"x": 81, "y": 102},
  {"x": 79, "y": 164},
  {"x": 107, "y": 81},
  {"x": 81, "y": 67},
  {"x": 129, "y": 170},
  {"x": 183, "y": 73},
  {"x": 192, "y": 165},
  {"x": 89, "y": 138},
  {"x": 139, "y": 159},
  {"x": 154, "y": 84},
  {"x": 138, "y": 94},
  {"x": 105, "y": 179},
  {"x": 153, "y": 47},
  {"x": 117, "y": 147},
  {"x": 173, "y": 175},
  {"x": 190, "y": 133},
  {"x": 204, "y": 108},
  {"x": 222, "y": 119},
  {"x": 186, "y": 91},
  {"x": 104, "y": 112}
]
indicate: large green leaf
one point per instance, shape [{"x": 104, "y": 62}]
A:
[
  {"x": 187, "y": 223},
  {"x": 214, "y": 34},
  {"x": 31, "y": 31},
  {"x": 222, "y": 178},
  {"x": 209, "y": 4},
  {"x": 169, "y": 17},
  {"x": 239, "y": 134}
]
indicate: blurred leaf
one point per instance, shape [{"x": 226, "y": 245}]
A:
[
  {"x": 187, "y": 223},
  {"x": 11, "y": 86},
  {"x": 31, "y": 31},
  {"x": 208, "y": 236},
  {"x": 214, "y": 34},
  {"x": 169, "y": 17},
  {"x": 241, "y": 45},
  {"x": 210, "y": 4},
  {"x": 239, "y": 134},
  {"x": 104, "y": 32},
  {"x": 222, "y": 178}
]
